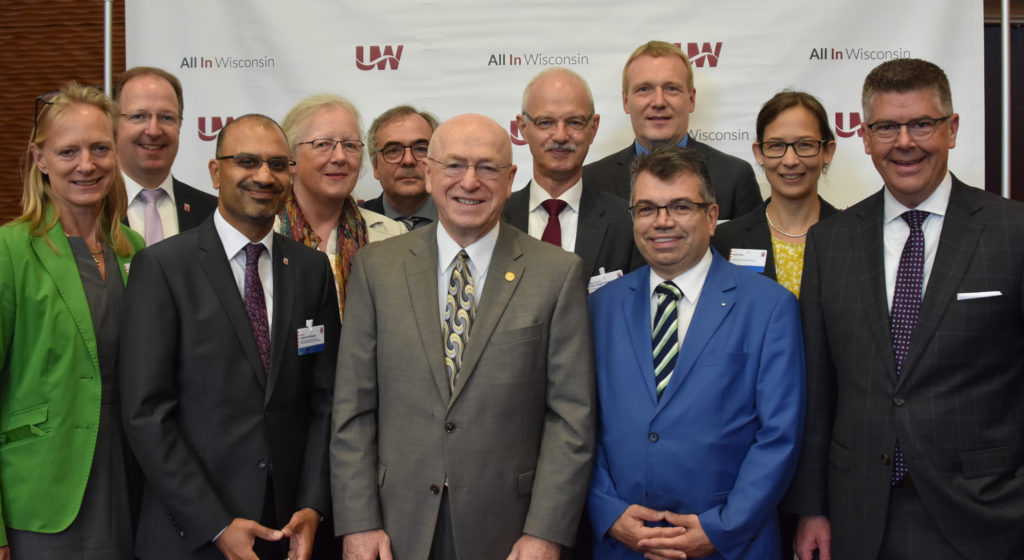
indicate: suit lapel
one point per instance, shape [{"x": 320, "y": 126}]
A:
[
  {"x": 183, "y": 207},
  {"x": 591, "y": 229},
  {"x": 503, "y": 277},
  {"x": 636, "y": 315},
  {"x": 421, "y": 277},
  {"x": 960, "y": 235},
  {"x": 284, "y": 290},
  {"x": 222, "y": 282},
  {"x": 516, "y": 211},
  {"x": 869, "y": 262},
  {"x": 717, "y": 298}
]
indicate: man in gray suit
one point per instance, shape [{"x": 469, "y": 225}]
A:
[
  {"x": 559, "y": 123},
  {"x": 463, "y": 428},
  {"x": 913, "y": 320},
  {"x": 658, "y": 95}
]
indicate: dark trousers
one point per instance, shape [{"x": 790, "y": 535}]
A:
[
  {"x": 443, "y": 546},
  {"x": 910, "y": 533}
]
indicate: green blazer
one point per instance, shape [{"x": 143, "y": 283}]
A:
[{"x": 49, "y": 382}]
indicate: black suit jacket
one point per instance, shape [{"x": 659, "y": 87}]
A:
[
  {"x": 374, "y": 204},
  {"x": 193, "y": 205},
  {"x": 204, "y": 420},
  {"x": 750, "y": 231},
  {"x": 604, "y": 233},
  {"x": 732, "y": 179},
  {"x": 956, "y": 408}
]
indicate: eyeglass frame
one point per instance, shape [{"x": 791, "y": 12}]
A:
[
  {"x": 268, "y": 161},
  {"x": 45, "y": 99},
  {"x": 149, "y": 117},
  {"x": 355, "y": 151},
  {"x": 935, "y": 121},
  {"x": 692, "y": 208},
  {"x": 819, "y": 143},
  {"x": 554, "y": 123},
  {"x": 404, "y": 147},
  {"x": 486, "y": 165}
]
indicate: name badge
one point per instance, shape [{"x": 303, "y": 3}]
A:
[
  {"x": 602, "y": 279},
  {"x": 754, "y": 259},
  {"x": 311, "y": 338}
]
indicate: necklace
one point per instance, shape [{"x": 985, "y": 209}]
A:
[
  {"x": 91, "y": 252},
  {"x": 776, "y": 228}
]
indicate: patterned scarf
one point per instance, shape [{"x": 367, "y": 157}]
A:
[{"x": 352, "y": 234}]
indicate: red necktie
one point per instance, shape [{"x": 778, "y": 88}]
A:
[{"x": 553, "y": 231}]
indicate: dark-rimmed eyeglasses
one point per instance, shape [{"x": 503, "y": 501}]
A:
[
  {"x": 252, "y": 162},
  {"x": 919, "y": 129},
  {"x": 324, "y": 146},
  {"x": 485, "y": 171},
  {"x": 547, "y": 124},
  {"x": 394, "y": 153},
  {"x": 802, "y": 148},
  {"x": 680, "y": 210}
]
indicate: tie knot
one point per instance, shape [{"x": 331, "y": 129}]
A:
[
  {"x": 554, "y": 206},
  {"x": 253, "y": 252},
  {"x": 668, "y": 289},
  {"x": 914, "y": 218},
  {"x": 151, "y": 196}
]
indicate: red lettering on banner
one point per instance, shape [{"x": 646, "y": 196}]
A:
[
  {"x": 515, "y": 134},
  {"x": 854, "y": 127},
  {"x": 379, "y": 57},
  {"x": 704, "y": 53},
  {"x": 216, "y": 123}
]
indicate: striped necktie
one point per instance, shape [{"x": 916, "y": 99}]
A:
[{"x": 665, "y": 334}]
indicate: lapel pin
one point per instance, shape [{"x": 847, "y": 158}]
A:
[
  {"x": 285, "y": 261},
  {"x": 187, "y": 207},
  {"x": 510, "y": 276},
  {"x": 723, "y": 304}
]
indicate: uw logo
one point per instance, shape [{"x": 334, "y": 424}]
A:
[
  {"x": 515, "y": 134},
  {"x": 216, "y": 123},
  {"x": 703, "y": 52},
  {"x": 854, "y": 127},
  {"x": 379, "y": 57}
]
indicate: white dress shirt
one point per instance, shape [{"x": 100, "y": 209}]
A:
[
  {"x": 165, "y": 206},
  {"x": 234, "y": 243},
  {"x": 895, "y": 232},
  {"x": 480, "y": 253},
  {"x": 568, "y": 219},
  {"x": 691, "y": 283}
]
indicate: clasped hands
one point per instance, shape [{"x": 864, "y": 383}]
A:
[
  {"x": 683, "y": 538},
  {"x": 237, "y": 540}
]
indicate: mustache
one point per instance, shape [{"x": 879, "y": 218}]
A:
[{"x": 560, "y": 146}]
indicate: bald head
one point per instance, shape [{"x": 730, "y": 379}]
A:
[
  {"x": 471, "y": 128},
  {"x": 558, "y": 78}
]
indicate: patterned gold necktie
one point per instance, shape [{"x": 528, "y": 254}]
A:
[{"x": 459, "y": 312}]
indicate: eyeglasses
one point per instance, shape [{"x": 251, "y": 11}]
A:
[
  {"x": 47, "y": 99},
  {"x": 546, "y": 124},
  {"x": 919, "y": 129},
  {"x": 141, "y": 118},
  {"x": 677, "y": 210},
  {"x": 324, "y": 146},
  {"x": 457, "y": 169},
  {"x": 252, "y": 162},
  {"x": 393, "y": 153},
  {"x": 802, "y": 148}
]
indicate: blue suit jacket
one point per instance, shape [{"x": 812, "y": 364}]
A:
[{"x": 723, "y": 440}]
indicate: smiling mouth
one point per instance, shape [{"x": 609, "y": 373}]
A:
[
  {"x": 151, "y": 146},
  {"x": 86, "y": 182},
  {"x": 907, "y": 162},
  {"x": 468, "y": 202}
]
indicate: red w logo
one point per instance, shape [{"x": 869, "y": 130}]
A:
[{"x": 379, "y": 57}]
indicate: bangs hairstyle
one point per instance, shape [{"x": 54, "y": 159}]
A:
[
  {"x": 904, "y": 75},
  {"x": 787, "y": 100},
  {"x": 36, "y": 196}
]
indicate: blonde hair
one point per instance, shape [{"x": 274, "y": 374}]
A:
[
  {"x": 295, "y": 122},
  {"x": 36, "y": 196},
  {"x": 658, "y": 49}
]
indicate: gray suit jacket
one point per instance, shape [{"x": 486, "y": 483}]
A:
[
  {"x": 604, "y": 232},
  {"x": 956, "y": 406},
  {"x": 732, "y": 179},
  {"x": 514, "y": 443}
]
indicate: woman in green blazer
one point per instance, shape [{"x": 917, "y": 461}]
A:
[{"x": 63, "y": 263}]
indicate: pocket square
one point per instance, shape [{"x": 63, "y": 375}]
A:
[{"x": 977, "y": 295}]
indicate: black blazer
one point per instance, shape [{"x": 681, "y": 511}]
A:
[
  {"x": 750, "y": 231},
  {"x": 732, "y": 179},
  {"x": 956, "y": 406},
  {"x": 204, "y": 420},
  {"x": 374, "y": 204},
  {"x": 193, "y": 205},
  {"x": 604, "y": 233}
]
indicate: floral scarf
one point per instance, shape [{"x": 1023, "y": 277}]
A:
[{"x": 352, "y": 234}]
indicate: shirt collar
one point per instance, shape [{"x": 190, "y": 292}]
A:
[
  {"x": 571, "y": 196},
  {"x": 936, "y": 202},
  {"x": 235, "y": 241},
  {"x": 428, "y": 210},
  {"x": 480, "y": 251},
  {"x": 642, "y": 150},
  {"x": 690, "y": 282},
  {"x": 132, "y": 188}
]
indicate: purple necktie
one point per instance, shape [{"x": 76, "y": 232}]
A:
[
  {"x": 553, "y": 232},
  {"x": 906, "y": 305},
  {"x": 154, "y": 225},
  {"x": 255, "y": 304}
]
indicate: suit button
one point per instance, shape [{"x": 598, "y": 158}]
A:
[
  {"x": 181, "y": 533},
  {"x": 449, "y": 427},
  {"x": 898, "y": 400},
  {"x": 885, "y": 459},
  {"x": 653, "y": 437},
  {"x": 261, "y": 464},
  {"x": 435, "y": 489}
]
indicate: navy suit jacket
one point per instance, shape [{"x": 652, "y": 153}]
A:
[
  {"x": 956, "y": 407},
  {"x": 374, "y": 204},
  {"x": 732, "y": 179},
  {"x": 722, "y": 442},
  {"x": 604, "y": 231}
]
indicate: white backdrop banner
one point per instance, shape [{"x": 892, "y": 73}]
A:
[{"x": 235, "y": 57}]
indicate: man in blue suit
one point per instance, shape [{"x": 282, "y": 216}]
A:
[{"x": 701, "y": 407}]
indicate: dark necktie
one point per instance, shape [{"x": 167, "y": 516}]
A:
[
  {"x": 906, "y": 305},
  {"x": 665, "y": 334},
  {"x": 255, "y": 303},
  {"x": 410, "y": 222},
  {"x": 459, "y": 312},
  {"x": 553, "y": 231}
]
